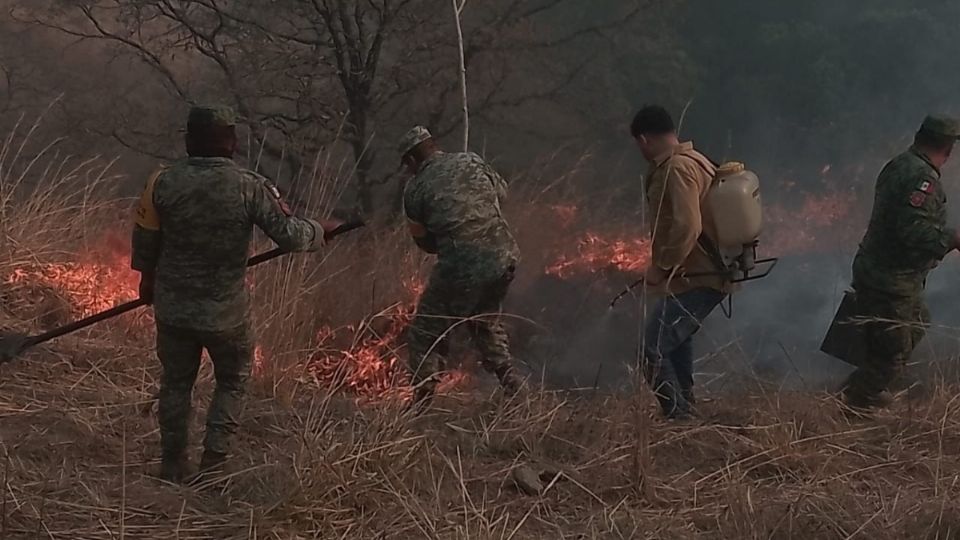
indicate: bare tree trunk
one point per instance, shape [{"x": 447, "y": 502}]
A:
[
  {"x": 362, "y": 157},
  {"x": 457, "y": 12},
  {"x": 364, "y": 185}
]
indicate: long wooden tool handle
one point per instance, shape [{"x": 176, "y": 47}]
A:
[
  {"x": 124, "y": 308},
  {"x": 135, "y": 304},
  {"x": 276, "y": 252},
  {"x": 83, "y": 323}
]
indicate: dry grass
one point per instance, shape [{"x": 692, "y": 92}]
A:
[
  {"x": 79, "y": 451},
  {"x": 79, "y": 441}
]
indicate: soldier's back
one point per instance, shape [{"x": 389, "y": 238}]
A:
[
  {"x": 462, "y": 195},
  {"x": 207, "y": 229}
]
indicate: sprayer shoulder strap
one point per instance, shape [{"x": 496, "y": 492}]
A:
[
  {"x": 710, "y": 247},
  {"x": 704, "y": 241}
]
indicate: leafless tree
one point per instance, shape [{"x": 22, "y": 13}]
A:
[{"x": 305, "y": 74}]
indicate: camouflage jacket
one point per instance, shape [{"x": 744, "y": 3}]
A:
[
  {"x": 193, "y": 229},
  {"x": 456, "y": 197},
  {"x": 907, "y": 235}
]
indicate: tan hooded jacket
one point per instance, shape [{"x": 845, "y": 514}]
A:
[{"x": 676, "y": 186}]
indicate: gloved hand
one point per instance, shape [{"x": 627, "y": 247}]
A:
[{"x": 330, "y": 226}]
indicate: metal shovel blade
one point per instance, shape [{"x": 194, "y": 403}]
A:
[{"x": 11, "y": 345}]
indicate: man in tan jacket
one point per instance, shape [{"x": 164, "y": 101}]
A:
[{"x": 685, "y": 261}]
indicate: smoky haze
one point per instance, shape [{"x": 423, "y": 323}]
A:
[{"x": 814, "y": 96}]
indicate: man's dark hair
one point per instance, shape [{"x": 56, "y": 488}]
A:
[
  {"x": 652, "y": 120},
  {"x": 935, "y": 141}
]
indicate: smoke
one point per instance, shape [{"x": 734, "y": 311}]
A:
[
  {"x": 776, "y": 325},
  {"x": 813, "y": 96},
  {"x": 773, "y": 334}
]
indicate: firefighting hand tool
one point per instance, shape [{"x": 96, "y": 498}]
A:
[
  {"x": 11, "y": 345},
  {"x": 734, "y": 202}
]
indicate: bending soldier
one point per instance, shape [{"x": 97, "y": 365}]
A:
[
  {"x": 453, "y": 208},
  {"x": 192, "y": 237}
]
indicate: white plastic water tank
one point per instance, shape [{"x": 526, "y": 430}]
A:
[{"x": 734, "y": 201}]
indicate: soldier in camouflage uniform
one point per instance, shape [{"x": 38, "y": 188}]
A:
[
  {"x": 191, "y": 240},
  {"x": 453, "y": 208},
  {"x": 906, "y": 238}
]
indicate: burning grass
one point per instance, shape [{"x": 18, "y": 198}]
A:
[
  {"x": 597, "y": 253},
  {"x": 363, "y": 359}
]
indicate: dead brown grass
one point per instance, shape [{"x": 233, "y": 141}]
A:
[{"x": 78, "y": 452}]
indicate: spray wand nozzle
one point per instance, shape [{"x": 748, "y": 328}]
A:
[
  {"x": 628, "y": 290},
  {"x": 745, "y": 276}
]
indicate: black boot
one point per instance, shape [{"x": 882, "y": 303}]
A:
[
  {"x": 866, "y": 402},
  {"x": 212, "y": 464},
  {"x": 174, "y": 467}
]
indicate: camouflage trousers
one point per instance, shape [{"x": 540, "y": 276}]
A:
[
  {"x": 180, "y": 351},
  {"x": 449, "y": 301},
  {"x": 893, "y": 328}
]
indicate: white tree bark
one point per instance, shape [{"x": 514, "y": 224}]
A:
[{"x": 458, "y": 7}]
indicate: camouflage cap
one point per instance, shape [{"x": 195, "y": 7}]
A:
[
  {"x": 207, "y": 116},
  {"x": 412, "y": 138},
  {"x": 941, "y": 125}
]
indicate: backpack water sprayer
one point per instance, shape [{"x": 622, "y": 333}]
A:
[{"x": 734, "y": 204}]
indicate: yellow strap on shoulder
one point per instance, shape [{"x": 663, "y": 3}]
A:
[{"x": 147, "y": 216}]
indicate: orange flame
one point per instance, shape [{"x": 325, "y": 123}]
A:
[
  {"x": 596, "y": 253},
  {"x": 368, "y": 360},
  {"x": 372, "y": 367},
  {"x": 89, "y": 286},
  {"x": 816, "y": 226}
]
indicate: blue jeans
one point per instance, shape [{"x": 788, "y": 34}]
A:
[{"x": 668, "y": 346}]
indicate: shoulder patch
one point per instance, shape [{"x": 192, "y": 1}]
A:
[
  {"x": 927, "y": 186},
  {"x": 917, "y": 198},
  {"x": 275, "y": 192}
]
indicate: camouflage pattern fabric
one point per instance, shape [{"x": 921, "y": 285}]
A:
[
  {"x": 207, "y": 116},
  {"x": 941, "y": 125},
  {"x": 907, "y": 235},
  {"x": 412, "y": 139},
  {"x": 180, "y": 350},
  {"x": 194, "y": 227},
  {"x": 906, "y": 238},
  {"x": 449, "y": 301},
  {"x": 456, "y": 197},
  {"x": 206, "y": 209},
  {"x": 893, "y": 328}
]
